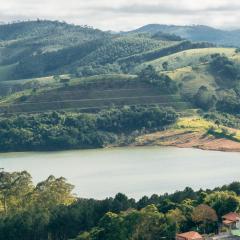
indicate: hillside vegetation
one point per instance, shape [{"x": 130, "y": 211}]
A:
[
  {"x": 53, "y": 131},
  {"x": 87, "y": 70}
]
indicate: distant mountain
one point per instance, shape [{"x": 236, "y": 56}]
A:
[
  {"x": 49, "y": 31},
  {"x": 195, "y": 33},
  {"x": 42, "y": 48}
]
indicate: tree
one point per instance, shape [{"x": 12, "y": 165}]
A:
[
  {"x": 205, "y": 215},
  {"x": 235, "y": 187},
  {"x": 163, "y": 82},
  {"x": 166, "y": 205},
  {"x": 177, "y": 216},
  {"x": 52, "y": 192},
  {"x": 120, "y": 203},
  {"x": 225, "y": 71},
  {"x": 113, "y": 227},
  {"x": 204, "y": 98},
  {"x": 223, "y": 202},
  {"x": 229, "y": 102},
  {"x": 147, "y": 224},
  {"x": 143, "y": 202},
  {"x": 148, "y": 74},
  {"x": 153, "y": 225},
  {"x": 13, "y": 189},
  {"x": 165, "y": 66}
]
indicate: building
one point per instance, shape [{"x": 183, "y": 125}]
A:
[
  {"x": 231, "y": 220},
  {"x": 189, "y": 236}
]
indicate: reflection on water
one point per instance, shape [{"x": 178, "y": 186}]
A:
[{"x": 134, "y": 171}]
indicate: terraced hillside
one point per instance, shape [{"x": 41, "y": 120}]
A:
[
  {"x": 87, "y": 69},
  {"x": 95, "y": 95}
]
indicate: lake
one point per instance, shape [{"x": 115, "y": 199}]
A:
[{"x": 138, "y": 171}]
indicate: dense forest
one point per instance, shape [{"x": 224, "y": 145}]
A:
[
  {"x": 67, "y": 130},
  {"x": 50, "y": 210}
]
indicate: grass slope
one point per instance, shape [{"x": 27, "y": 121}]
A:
[
  {"x": 190, "y": 68},
  {"x": 188, "y": 58}
]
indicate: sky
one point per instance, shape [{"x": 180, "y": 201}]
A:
[{"x": 126, "y": 14}]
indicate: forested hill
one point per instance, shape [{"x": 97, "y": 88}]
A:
[
  {"x": 195, "y": 33},
  {"x": 42, "y": 48},
  {"x": 49, "y": 66},
  {"x": 21, "y": 41},
  {"x": 49, "y": 32}
]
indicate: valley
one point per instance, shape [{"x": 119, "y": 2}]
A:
[{"x": 153, "y": 113}]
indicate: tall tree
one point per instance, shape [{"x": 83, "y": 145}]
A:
[
  {"x": 205, "y": 215},
  {"x": 13, "y": 189},
  {"x": 52, "y": 192},
  {"x": 223, "y": 202}
]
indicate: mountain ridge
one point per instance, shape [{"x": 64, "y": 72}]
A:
[{"x": 194, "y": 33}]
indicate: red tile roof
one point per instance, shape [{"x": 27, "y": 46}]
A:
[
  {"x": 227, "y": 222},
  {"x": 233, "y": 217},
  {"x": 190, "y": 236}
]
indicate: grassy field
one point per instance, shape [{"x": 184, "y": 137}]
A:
[
  {"x": 193, "y": 78},
  {"x": 190, "y": 57},
  {"x": 198, "y": 124},
  {"x": 190, "y": 68}
]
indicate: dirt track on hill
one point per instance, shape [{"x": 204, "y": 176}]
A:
[{"x": 187, "y": 139}]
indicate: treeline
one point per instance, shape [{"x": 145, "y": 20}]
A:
[
  {"x": 49, "y": 210},
  {"x": 224, "y": 119},
  {"x": 166, "y": 37},
  {"x": 163, "y": 83},
  {"x": 58, "y": 131},
  {"x": 40, "y": 28}
]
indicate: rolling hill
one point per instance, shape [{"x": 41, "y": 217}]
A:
[
  {"x": 20, "y": 42},
  {"x": 196, "y": 33},
  {"x": 92, "y": 83},
  {"x": 87, "y": 69}
]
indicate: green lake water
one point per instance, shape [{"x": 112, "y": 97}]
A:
[{"x": 135, "y": 171}]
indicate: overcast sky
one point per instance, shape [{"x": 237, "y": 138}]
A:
[{"x": 126, "y": 14}]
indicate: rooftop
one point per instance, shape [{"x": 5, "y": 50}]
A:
[
  {"x": 233, "y": 217},
  {"x": 190, "y": 235}
]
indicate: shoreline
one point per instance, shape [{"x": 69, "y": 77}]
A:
[
  {"x": 187, "y": 139},
  {"x": 168, "y": 138}
]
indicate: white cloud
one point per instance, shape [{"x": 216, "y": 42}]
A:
[{"x": 126, "y": 14}]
